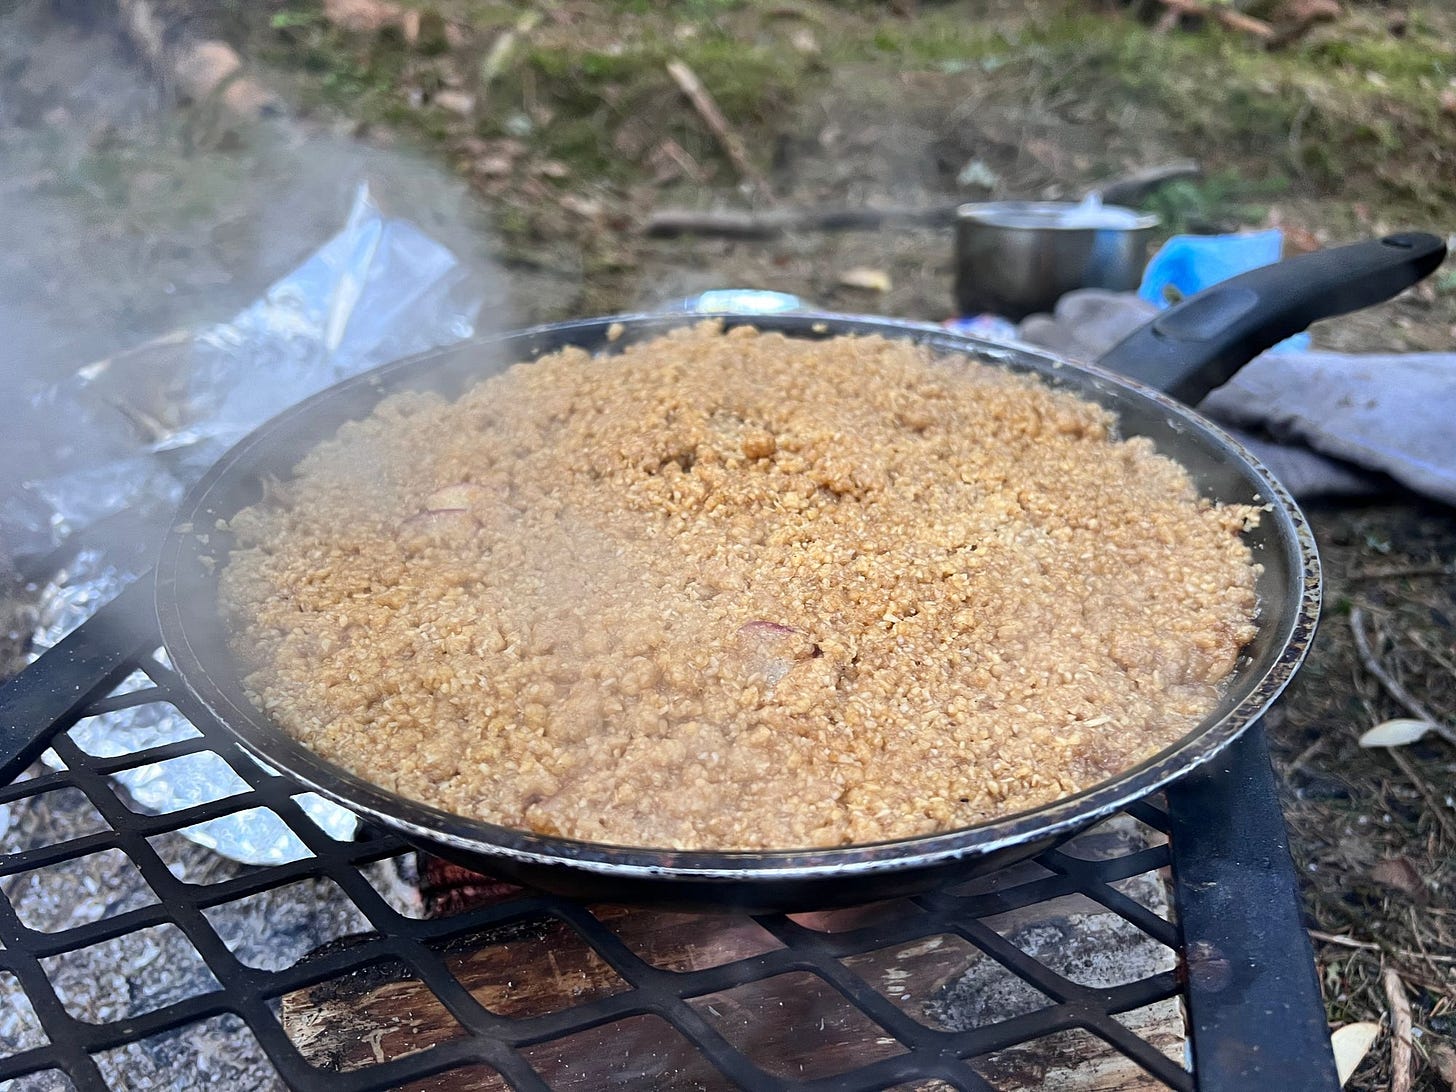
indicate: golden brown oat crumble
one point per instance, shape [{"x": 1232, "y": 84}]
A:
[{"x": 739, "y": 591}]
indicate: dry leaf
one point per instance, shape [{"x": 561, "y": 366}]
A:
[
  {"x": 1399, "y": 873},
  {"x": 457, "y": 102},
  {"x": 1350, "y": 1044},
  {"x": 585, "y": 207},
  {"x": 494, "y": 166},
  {"x": 803, "y": 41},
  {"x": 865, "y": 279},
  {"x": 1396, "y": 733},
  {"x": 1443, "y": 1060}
]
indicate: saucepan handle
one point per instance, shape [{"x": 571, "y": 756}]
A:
[{"x": 1197, "y": 345}]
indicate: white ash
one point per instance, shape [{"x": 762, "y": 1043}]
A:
[{"x": 146, "y": 969}]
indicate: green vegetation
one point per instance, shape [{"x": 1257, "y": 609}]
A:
[{"x": 1336, "y": 115}]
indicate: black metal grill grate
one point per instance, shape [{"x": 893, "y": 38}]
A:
[{"x": 747, "y": 1019}]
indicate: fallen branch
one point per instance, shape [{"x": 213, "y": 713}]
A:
[
  {"x": 1123, "y": 190},
  {"x": 1392, "y": 685},
  {"x": 1229, "y": 17},
  {"x": 1392, "y": 571},
  {"x": 692, "y": 87},
  {"x": 777, "y": 222},
  {"x": 1400, "y": 1032}
]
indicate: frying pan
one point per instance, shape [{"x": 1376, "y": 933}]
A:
[{"x": 1186, "y": 351}]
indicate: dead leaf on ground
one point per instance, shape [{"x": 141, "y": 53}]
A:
[
  {"x": 494, "y": 166},
  {"x": 1399, "y": 873},
  {"x": 585, "y": 207},
  {"x": 804, "y": 41},
  {"x": 1298, "y": 16},
  {"x": 363, "y": 16},
  {"x": 1299, "y": 240},
  {"x": 1396, "y": 733},
  {"x": 457, "y": 102},
  {"x": 669, "y": 161},
  {"x": 865, "y": 279},
  {"x": 1350, "y": 1044},
  {"x": 1443, "y": 1060}
]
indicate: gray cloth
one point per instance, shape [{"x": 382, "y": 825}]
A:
[{"x": 1326, "y": 424}]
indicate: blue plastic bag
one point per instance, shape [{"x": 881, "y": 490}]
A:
[{"x": 1190, "y": 263}]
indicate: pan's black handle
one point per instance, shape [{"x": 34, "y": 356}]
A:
[{"x": 1197, "y": 345}]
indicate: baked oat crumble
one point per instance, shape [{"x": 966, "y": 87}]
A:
[{"x": 739, "y": 591}]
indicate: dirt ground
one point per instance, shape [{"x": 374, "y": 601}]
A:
[{"x": 547, "y": 162}]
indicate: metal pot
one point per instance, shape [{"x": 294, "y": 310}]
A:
[
  {"x": 1189, "y": 349},
  {"x": 1017, "y": 258}
]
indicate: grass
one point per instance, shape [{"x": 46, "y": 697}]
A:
[{"x": 1356, "y": 115}]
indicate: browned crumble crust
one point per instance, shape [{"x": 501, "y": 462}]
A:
[{"x": 739, "y": 591}]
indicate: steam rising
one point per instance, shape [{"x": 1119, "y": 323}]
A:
[{"x": 135, "y": 235}]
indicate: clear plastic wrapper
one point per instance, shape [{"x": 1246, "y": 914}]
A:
[{"x": 156, "y": 418}]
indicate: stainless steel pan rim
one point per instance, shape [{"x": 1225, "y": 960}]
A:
[{"x": 192, "y": 631}]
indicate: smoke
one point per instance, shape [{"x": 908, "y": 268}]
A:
[{"x": 129, "y": 226}]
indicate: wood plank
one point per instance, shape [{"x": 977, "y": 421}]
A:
[{"x": 791, "y": 1025}]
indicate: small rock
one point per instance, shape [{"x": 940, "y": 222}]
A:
[
  {"x": 1448, "y": 100},
  {"x": 457, "y": 102},
  {"x": 865, "y": 279},
  {"x": 803, "y": 41},
  {"x": 519, "y": 125},
  {"x": 494, "y": 166},
  {"x": 586, "y": 207},
  {"x": 553, "y": 168}
]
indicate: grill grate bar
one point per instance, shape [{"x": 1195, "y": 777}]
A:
[{"x": 74, "y": 681}]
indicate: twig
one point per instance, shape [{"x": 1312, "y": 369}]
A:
[
  {"x": 1400, "y": 1027},
  {"x": 672, "y": 150},
  {"x": 1309, "y": 752},
  {"x": 1342, "y": 941},
  {"x": 1430, "y": 649},
  {"x": 1433, "y": 801},
  {"x": 1230, "y": 18},
  {"x": 692, "y": 87},
  {"x": 1392, "y": 685},
  {"x": 502, "y": 48}
]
